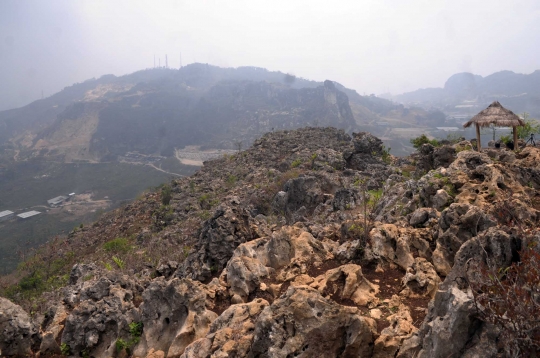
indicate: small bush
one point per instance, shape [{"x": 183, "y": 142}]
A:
[
  {"x": 166, "y": 194},
  {"x": 509, "y": 299},
  {"x": 118, "y": 245},
  {"x": 531, "y": 127},
  {"x": 135, "y": 329},
  {"x": 296, "y": 163},
  {"x": 385, "y": 155},
  {"x": 207, "y": 201},
  {"x": 120, "y": 344},
  {"x": 423, "y": 139},
  {"x": 119, "y": 262},
  {"x": 65, "y": 349},
  {"x": 231, "y": 180}
]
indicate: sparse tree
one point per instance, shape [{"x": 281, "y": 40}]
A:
[{"x": 238, "y": 145}]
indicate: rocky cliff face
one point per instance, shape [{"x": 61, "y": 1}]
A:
[{"x": 310, "y": 243}]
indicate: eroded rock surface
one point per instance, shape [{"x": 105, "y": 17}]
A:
[
  {"x": 302, "y": 323},
  {"x": 18, "y": 333}
]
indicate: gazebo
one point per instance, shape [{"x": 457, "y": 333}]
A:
[{"x": 498, "y": 116}]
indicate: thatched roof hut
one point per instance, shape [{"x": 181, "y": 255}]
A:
[{"x": 497, "y": 116}]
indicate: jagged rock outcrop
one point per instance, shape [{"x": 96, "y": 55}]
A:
[
  {"x": 286, "y": 255},
  {"x": 19, "y": 335},
  {"x": 401, "y": 327},
  {"x": 231, "y": 334},
  {"x": 173, "y": 315},
  {"x": 458, "y": 223},
  {"x": 220, "y": 235},
  {"x": 451, "y": 326},
  {"x": 302, "y": 323},
  {"x": 347, "y": 283},
  {"x": 102, "y": 310},
  {"x": 421, "y": 279}
]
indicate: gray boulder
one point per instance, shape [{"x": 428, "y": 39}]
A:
[
  {"x": 367, "y": 143},
  {"x": 18, "y": 334},
  {"x": 220, "y": 235},
  {"x": 345, "y": 199},
  {"x": 421, "y": 216}
]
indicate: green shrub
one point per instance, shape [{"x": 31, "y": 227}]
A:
[
  {"x": 296, "y": 163},
  {"x": 120, "y": 344},
  {"x": 33, "y": 281},
  {"x": 135, "y": 329},
  {"x": 531, "y": 127},
  {"x": 65, "y": 349},
  {"x": 119, "y": 262},
  {"x": 166, "y": 194},
  {"x": 118, "y": 245},
  {"x": 207, "y": 201},
  {"x": 423, "y": 139},
  {"x": 231, "y": 180},
  {"x": 386, "y": 156}
]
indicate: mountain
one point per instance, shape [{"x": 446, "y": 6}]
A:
[
  {"x": 310, "y": 243},
  {"x": 155, "y": 111},
  {"x": 520, "y": 92},
  {"x": 109, "y": 139}
]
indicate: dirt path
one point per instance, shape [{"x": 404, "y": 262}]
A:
[{"x": 164, "y": 171}]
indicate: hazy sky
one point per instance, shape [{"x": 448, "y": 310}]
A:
[{"x": 372, "y": 46}]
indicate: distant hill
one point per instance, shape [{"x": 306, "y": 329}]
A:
[
  {"x": 153, "y": 111},
  {"x": 517, "y": 91}
]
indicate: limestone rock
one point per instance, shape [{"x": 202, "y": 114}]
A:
[
  {"x": 386, "y": 242},
  {"x": 458, "y": 223},
  {"x": 447, "y": 327},
  {"x": 441, "y": 199},
  {"x": 420, "y": 216},
  {"x": 443, "y": 156},
  {"x": 174, "y": 315},
  {"x": 220, "y": 235},
  {"x": 345, "y": 199},
  {"x": 366, "y": 143},
  {"x": 288, "y": 253},
  {"x": 347, "y": 282},
  {"x": 231, "y": 334},
  {"x": 19, "y": 335},
  {"x": 103, "y": 315},
  {"x": 450, "y": 326},
  {"x": 401, "y": 327},
  {"x": 52, "y": 327},
  {"x": 302, "y": 323},
  {"x": 420, "y": 280}
]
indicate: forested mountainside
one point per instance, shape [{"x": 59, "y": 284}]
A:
[{"x": 312, "y": 242}]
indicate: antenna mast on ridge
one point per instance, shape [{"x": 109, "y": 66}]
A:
[{"x": 166, "y": 62}]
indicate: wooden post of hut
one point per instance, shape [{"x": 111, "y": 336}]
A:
[
  {"x": 498, "y": 116},
  {"x": 478, "y": 142}
]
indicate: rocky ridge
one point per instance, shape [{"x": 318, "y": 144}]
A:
[{"x": 266, "y": 254}]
